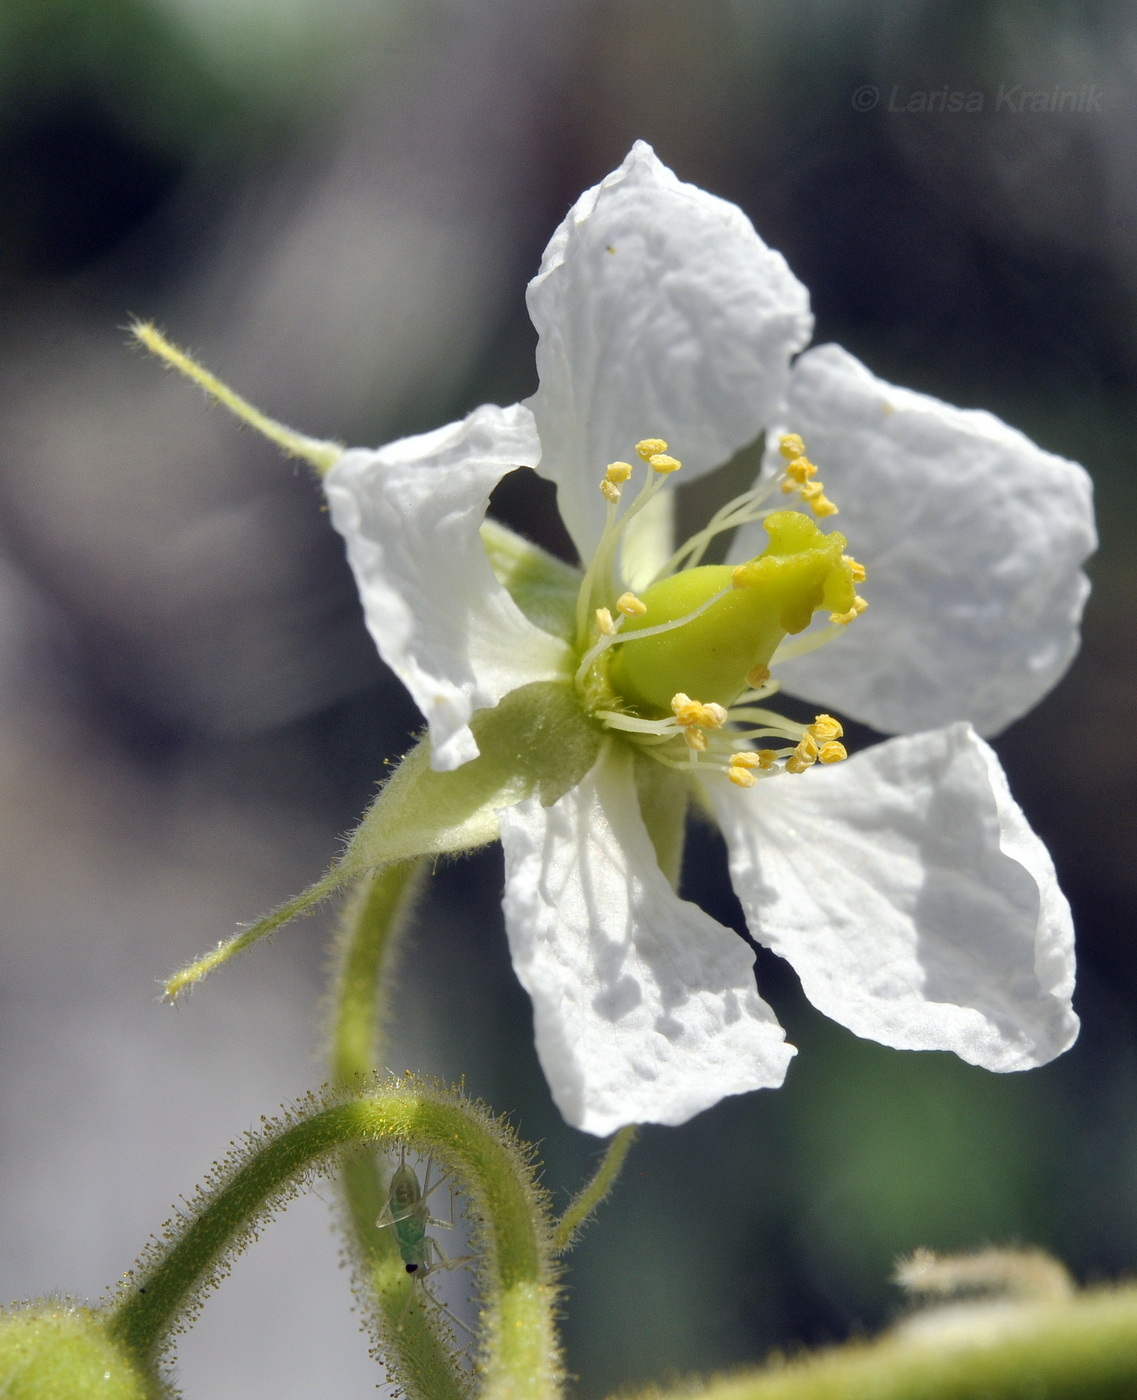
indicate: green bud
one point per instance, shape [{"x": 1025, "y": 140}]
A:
[
  {"x": 61, "y": 1351},
  {"x": 776, "y": 593}
]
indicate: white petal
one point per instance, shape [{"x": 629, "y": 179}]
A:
[
  {"x": 661, "y": 313},
  {"x": 972, "y": 538},
  {"x": 410, "y": 514},
  {"x": 916, "y": 904},
  {"x": 645, "y": 1008}
]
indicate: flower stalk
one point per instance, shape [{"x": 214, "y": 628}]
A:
[
  {"x": 1083, "y": 1349},
  {"x": 583, "y": 1205},
  {"x": 521, "y": 1358},
  {"x": 414, "y": 1341}
]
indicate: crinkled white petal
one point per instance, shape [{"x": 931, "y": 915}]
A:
[
  {"x": 916, "y": 904},
  {"x": 661, "y": 313},
  {"x": 645, "y": 1008},
  {"x": 972, "y": 538},
  {"x": 410, "y": 514}
]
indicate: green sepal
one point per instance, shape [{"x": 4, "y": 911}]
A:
[
  {"x": 537, "y": 740},
  {"x": 61, "y": 1351},
  {"x": 664, "y": 794},
  {"x": 543, "y": 587}
]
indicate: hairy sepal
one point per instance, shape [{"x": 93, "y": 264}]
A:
[
  {"x": 536, "y": 741},
  {"x": 542, "y": 586}
]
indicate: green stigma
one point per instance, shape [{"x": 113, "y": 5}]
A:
[{"x": 800, "y": 570}]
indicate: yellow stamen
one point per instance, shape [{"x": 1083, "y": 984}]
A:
[
  {"x": 800, "y": 470},
  {"x": 757, "y": 677},
  {"x": 857, "y": 570},
  {"x": 812, "y": 491},
  {"x": 804, "y": 755},
  {"x": 741, "y": 777},
  {"x": 610, "y": 491},
  {"x": 691, "y": 713},
  {"x": 832, "y": 752},
  {"x": 662, "y": 464},
  {"x": 824, "y": 506},
  {"x": 618, "y": 472},
  {"x": 843, "y": 619},
  {"x": 746, "y": 758},
  {"x": 630, "y": 605},
  {"x": 605, "y": 623},
  {"x": 648, "y": 448},
  {"x": 825, "y": 727},
  {"x": 790, "y": 445},
  {"x": 696, "y": 740},
  {"x": 767, "y": 758}
]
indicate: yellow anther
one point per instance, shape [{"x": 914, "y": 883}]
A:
[
  {"x": 648, "y": 448},
  {"x": 618, "y": 472},
  {"x": 696, "y": 740},
  {"x": 605, "y": 623},
  {"x": 741, "y": 777},
  {"x": 757, "y": 677},
  {"x": 611, "y": 492},
  {"x": 804, "y": 755},
  {"x": 790, "y": 445},
  {"x": 857, "y": 570},
  {"x": 832, "y": 752},
  {"x": 843, "y": 619},
  {"x": 662, "y": 464},
  {"x": 788, "y": 488},
  {"x": 825, "y": 727},
  {"x": 767, "y": 758},
  {"x": 800, "y": 470},
  {"x": 691, "y": 714},
  {"x": 812, "y": 491},
  {"x": 746, "y": 758},
  {"x": 824, "y": 506},
  {"x": 630, "y": 605}
]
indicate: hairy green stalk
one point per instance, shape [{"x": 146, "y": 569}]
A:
[
  {"x": 580, "y": 1209},
  {"x": 414, "y": 1342},
  {"x": 521, "y": 1355},
  {"x": 1084, "y": 1348},
  {"x": 366, "y": 952}
]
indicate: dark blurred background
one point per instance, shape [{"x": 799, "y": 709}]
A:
[{"x": 337, "y": 203}]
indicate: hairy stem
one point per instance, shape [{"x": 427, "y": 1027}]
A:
[
  {"x": 414, "y": 1343},
  {"x": 522, "y": 1359},
  {"x": 1084, "y": 1348},
  {"x": 582, "y": 1205},
  {"x": 366, "y": 954}
]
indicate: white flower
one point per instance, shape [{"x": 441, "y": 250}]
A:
[{"x": 905, "y": 886}]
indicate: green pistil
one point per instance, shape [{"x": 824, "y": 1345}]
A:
[{"x": 708, "y": 658}]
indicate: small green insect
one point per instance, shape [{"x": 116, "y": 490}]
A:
[{"x": 408, "y": 1214}]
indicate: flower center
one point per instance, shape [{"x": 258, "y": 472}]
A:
[{"x": 712, "y": 631}]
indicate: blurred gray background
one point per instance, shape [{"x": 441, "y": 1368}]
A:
[{"x": 337, "y": 203}]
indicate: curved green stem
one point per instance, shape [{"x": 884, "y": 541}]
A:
[
  {"x": 365, "y": 958},
  {"x": 1081, "y": 1349},
  {"x": 415, "y": 1346},
  {"x": 522, "y": 1360},
  {"x": 580, "y": 1208}
]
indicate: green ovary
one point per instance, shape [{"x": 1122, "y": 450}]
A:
[{"x": 800, "y": 570}]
